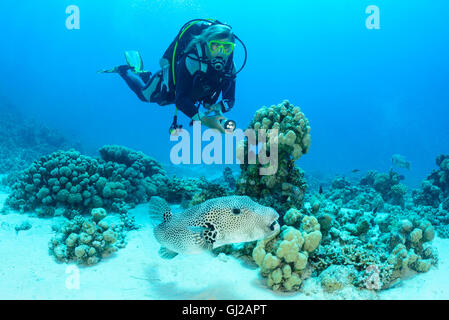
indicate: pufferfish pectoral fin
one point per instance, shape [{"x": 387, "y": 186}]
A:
[
  {"x": 165, "y": 253},
  {"x": 202, "y": 238}
]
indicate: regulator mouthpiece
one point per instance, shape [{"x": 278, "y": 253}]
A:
[{"x": 218, "y": 64}]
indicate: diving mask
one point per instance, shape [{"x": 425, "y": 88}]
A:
[{"x": 226, "y": 47}]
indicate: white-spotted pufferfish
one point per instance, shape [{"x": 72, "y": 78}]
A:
[{"x": 211, "y": 224}]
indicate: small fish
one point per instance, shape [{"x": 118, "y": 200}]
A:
[
  {"x": 374, "y": 210},
  {"x": 321, "y": 190},
  {"x": 355, "y": 171},
  {"x": 399, "y": 161},
  {"x": 211, "y": 224}
]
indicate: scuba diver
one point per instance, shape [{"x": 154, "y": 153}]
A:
[{"x": 196, "y": 68}]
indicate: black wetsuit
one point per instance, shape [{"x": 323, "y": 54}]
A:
[{"x": 189, "y": 90}]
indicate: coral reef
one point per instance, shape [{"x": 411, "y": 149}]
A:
[
  {"x": 228, "y": 178},
  {"x": 77, "y": 182},
  {"x": 23, "y": 140},
  {"x": 435, "y": 188},
  {"x": 343, "y": 193},
  {"x": 210, "y": 191},
  {"x": 86, "y": 240},
  {"x": 136, "y": 162},
  {"x": 284, "y": 259},
  {"x": 381, "y": 247},
  {"x": 182, "y": 190},
  {"x": 286, "y": 187},
  {"x": 388, "y": 185}
]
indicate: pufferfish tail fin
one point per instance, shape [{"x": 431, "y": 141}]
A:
[{"x": 159, "y": 210}]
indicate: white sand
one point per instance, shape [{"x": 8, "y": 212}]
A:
[{"x": 27, "y": 271}]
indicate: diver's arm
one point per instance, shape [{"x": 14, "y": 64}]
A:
[
  {"x": 184, "y": 86},
  {"x": 135, "y": 82},
  {"x": 229, "y": 94}
]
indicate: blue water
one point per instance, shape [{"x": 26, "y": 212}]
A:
[{"x": 367, "y": 93}]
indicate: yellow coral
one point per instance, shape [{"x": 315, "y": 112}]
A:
[
  {"x": 286, "y": 271},
  {"x": 416, "y": 235},
  {"x": 292, "y": 234},
  {"x": 301, "y": 262},
  {"x": 297, "y": 151},
  {"x": 312, "y": 240},
  {"x": 291, "y": 216},
  {"x": 288, "y": 250},
  {"x": 290, "y": 137},
  {"x": 276, "y": 276},
  {"x": 292, "y": 282},
  {"x": 259, "y": 253},
  {"x": 310, "y": 223},
  {"x": 270, "y": 262}
]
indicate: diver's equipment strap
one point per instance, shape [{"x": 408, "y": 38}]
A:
[
  {"x": 165, "y": 66},
  {"x": 203, "y": 66},
  {"x": 225, "y": 106},
  {"x": 184, "y": 28}
]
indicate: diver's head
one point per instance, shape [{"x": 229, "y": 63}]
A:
[
  {"x": 219, "y": 51},
  {"x": 220, "y": 45},
  {"x": 218, "y": 41}
]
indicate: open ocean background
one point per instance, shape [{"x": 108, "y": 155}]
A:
[{"x": 368, "y": 94}]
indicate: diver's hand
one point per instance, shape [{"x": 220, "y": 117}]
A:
[
  {"x": 213, "y": 108},
  {"x": 213, "y": 122}
]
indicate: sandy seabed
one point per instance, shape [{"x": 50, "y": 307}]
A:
[{"x": 28, "y": 271}]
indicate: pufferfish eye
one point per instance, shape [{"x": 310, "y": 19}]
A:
[{"x": 236, "y": 211}]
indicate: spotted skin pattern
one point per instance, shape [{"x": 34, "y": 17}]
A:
[{"x": 214, "y": 223}]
